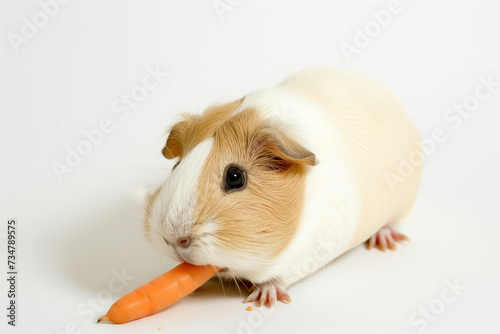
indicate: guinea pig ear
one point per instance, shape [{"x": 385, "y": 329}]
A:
[
  {"x": 174, "y": 147},
  {"x": 283, "y": 151},
  {"x": 193, "y": 129}
]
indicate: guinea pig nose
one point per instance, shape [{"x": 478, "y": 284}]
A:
[{"x": 184, "y": 241}]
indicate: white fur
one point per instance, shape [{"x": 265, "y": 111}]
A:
[{"x": 173, "y": 210}]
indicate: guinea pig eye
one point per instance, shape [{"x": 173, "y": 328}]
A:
[
  {"x": 235, "y": 178},
  {"x": 177, "y": 164}
]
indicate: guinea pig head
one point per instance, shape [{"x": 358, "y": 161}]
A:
[{"x": 235, "y": 196}]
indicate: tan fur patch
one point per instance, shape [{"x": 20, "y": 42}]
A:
[
  {"x": 194, "y": 129},
  {"x": 261, "y": 218}
]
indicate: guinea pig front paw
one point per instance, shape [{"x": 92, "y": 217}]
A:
[
  {"x": 385, "y": 238},
  {"x": 267, "y": 294}
]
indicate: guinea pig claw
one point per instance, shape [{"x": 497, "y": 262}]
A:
[
  {"x": 252, "y": 297},
  {"x": 385, "y": 238},
  {"x": 267, "y": 294},
  {"x": 283, "y": 297}
]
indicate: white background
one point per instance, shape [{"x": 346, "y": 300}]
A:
[{"x": 73, "y": 234}]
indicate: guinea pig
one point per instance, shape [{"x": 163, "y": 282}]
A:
[{"x": 275, "y": 185}]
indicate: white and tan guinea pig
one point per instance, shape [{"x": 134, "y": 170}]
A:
[{"x": 277, "y": 184}]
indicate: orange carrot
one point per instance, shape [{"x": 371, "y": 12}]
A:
[{"x": 161, "y": 292}]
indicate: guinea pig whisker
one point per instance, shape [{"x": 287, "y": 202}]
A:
[
  {"x": 236, "y": 282},
  {"x": 232, "y": 274},
  {"x": 221, "y": 283}
]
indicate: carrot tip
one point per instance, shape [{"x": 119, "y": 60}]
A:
[{"x": 105, "y": 318}]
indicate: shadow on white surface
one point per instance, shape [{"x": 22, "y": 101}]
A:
[{"x": 108, "y": 239}]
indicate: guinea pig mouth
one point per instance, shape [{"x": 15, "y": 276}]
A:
[
  {"x": 183, "y": 257},
  {"x": 186, "y": 258}
]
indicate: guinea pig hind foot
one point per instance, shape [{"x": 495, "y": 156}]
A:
[
  {"x": 385, "y": 238},
  {"x": 267, "y": 294}
]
